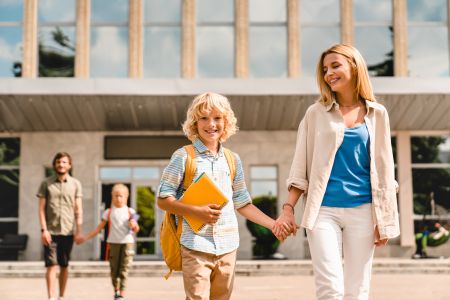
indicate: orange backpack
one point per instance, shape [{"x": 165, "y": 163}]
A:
[{"x": 171, "y": 229}]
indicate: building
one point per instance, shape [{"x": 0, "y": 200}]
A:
[{"x": 120, "y": 74}]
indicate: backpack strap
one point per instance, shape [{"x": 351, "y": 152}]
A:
[
  {"x": 231, "y": 160},
  {"x": 109, "y": 231},
  {"x": 191, "y": 166}
]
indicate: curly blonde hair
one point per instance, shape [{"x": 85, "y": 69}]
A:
[
  {"x": 204, "y": 104},
  {"x": 363, "y": 87}
]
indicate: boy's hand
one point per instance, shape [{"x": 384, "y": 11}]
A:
[
  {"x": 209, "y": 214},
  {"x": 134, "y": 226}
]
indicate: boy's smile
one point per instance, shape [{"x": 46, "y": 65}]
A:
[{"x": 210, "y": 129}]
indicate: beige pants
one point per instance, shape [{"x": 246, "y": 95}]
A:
[
  {"x": 120, "y": 257},
  {"x": 207, "y": 276}
]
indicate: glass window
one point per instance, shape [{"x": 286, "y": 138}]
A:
[
  {"x": 115, "y": 173},
  {"x": 365, "y": 11},
  {"x": 428, "y": 51},
  {"x": 430, "y": 157},
  {"x": 56, "y": 11},
  {"x": 146, "y": 173},
  {"x": 430, "y": 150},
  {"x": 9, "y": 185},
  {"x": 215, "y": 38},
  {"x": 104, "y": 62},
  {"x": 162, "y": 38},
  {"x": 319, "y": 11},
  {"x": 268, "y": 51},
  {"x": 374, "y": 36},
  {"x": 215, "y": 51},
  {"x": 428, "y": 38},
  {"x": 264, "y": 181},
  {"x": 109, "y": 31},
  {"x": 162, "y": 11},
  {"x": 11, "y": 10},
  {"x": 56, "y": 38},
  {"x": 11, "y": 38},
  {"x": 375, "y": 45},
  {"x": 427, "y": 11},
  {"x": 109, "y": 11},
  {"x": 318, "y": 18},
  {"x": 268, "y": 11},
  {"x": 215, "y": 11},
  {"x": 268, "y": 38},
  {"x": 312, "y": 47}
]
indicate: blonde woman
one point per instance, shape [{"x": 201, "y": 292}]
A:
[
  {"x": 343, "y": 167},
  {"x": 209, "y": 255}
]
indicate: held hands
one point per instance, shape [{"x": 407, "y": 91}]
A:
[
  {"x": 285, "y": 225},
  {"x": 79, "y": 239},
  {"x": 209, "y": 214}
]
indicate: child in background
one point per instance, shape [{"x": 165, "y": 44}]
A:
[
  {"x": 122, "y": 225},
  {"x": 209, "y": 256}
]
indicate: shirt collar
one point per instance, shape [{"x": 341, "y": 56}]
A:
[
  {"x": 201, "y": 148},
  {"x": 55, "y": 178},
  {"x": 334, "y": 103}
]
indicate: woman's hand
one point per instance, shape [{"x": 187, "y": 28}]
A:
[
  {"x": 209, "y": 214},
  {"x": 285, "y": 225},
  {"x": 379, "y": 242}
]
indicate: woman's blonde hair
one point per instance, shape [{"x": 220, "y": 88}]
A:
[
  {"x": 120, "y": 186},
  {"x": 363, "y": 87},
  {"x": 204, "y": 104}
]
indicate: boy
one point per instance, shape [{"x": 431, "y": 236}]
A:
[
  {"x": 120, "y": 240},
  {"x": 209, "y": 256}
]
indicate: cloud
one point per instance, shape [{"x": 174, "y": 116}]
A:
[
  {"x": 319, "y": 11},
  {"x": 109, "y": 52},
  {"x": 9, "y": 51},
  {"x": 59, "y": 11},
  {"x": 162, "y": 52}
]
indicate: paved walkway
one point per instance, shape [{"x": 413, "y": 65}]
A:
[{"x": 384, "y": 287}]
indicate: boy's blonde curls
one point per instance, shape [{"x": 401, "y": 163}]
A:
[{"x": 204, "y": 104}]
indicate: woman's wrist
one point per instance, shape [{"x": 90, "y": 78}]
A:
[{"x": 288, "y": 207}]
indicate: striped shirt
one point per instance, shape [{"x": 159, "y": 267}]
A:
[{"x": 223, "y": 236}]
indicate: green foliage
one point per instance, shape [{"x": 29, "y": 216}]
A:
[
  {"x": 427, "y": 181},
  {"x": 9, "y": 156},
  {"x": 265, "y": 243},
  {"x": 146, "y": 210}
]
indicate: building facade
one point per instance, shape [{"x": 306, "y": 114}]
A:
[{"x": 119, "y": 75}]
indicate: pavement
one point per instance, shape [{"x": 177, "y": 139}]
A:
[{"x": 282, "y": 287}]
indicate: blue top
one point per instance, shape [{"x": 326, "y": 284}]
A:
[{"x": 349, "y": 183}]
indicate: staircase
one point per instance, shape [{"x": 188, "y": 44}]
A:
[{"x": 33, "y": 269}]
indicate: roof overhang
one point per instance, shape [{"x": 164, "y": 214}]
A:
[{"x": 68, "y": 104}]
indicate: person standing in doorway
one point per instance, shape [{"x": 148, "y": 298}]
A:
[
  {"x": 60, "y": 216},
  {"x": 343, "y": 167}
]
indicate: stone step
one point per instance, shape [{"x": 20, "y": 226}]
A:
[{"x": 243, "y": 268}]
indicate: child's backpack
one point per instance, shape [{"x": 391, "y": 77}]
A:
[{"x": 171, "y": 229}]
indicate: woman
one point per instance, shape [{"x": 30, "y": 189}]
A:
[{"x": 343, "y": 167}]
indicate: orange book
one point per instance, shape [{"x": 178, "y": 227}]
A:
[{"x": 202, "y": 191}]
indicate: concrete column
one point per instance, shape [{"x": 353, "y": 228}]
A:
[
  {"x": 400, "y": 24},
  {"x": 188, "y": 62},
  {"x": 448, "y": 27},
  {"x": 30, "y": 52},
  {"x": 293, "y": 39},
  {"x": 404, "y": 173},
  {"x": 82, "y": 66},
  {"x": 136, "y": 52},
  {"x": 347, "y": 29},
  {"x": 241, "y": 39}
]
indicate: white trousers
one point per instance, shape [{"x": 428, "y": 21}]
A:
[{"x": 342, "y": 233}]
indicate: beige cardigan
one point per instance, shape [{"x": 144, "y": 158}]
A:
[{"x": 320, "y": 134}]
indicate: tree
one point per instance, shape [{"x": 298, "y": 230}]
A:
[{"x": 53, "y": 61}]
